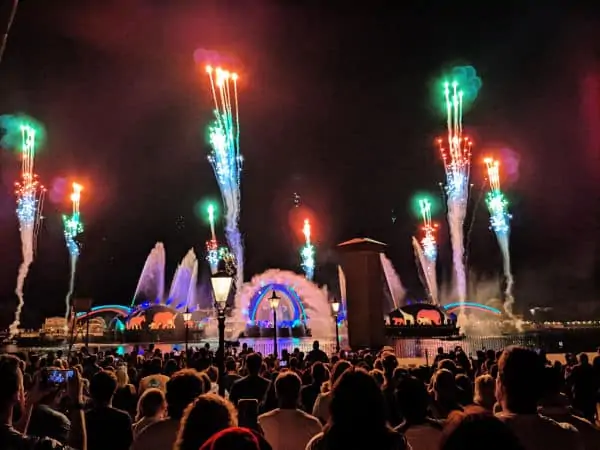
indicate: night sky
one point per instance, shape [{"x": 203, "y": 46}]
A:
[{"x": 336, "y": 105}]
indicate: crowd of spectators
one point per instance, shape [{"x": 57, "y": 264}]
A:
[{"x": 150, "y": 400}]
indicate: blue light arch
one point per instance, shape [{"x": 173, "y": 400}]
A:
[
  {"x": 289, "y": 291},
  {"x": 454, "y": 307},
  {"x": 118, "y": 310}
]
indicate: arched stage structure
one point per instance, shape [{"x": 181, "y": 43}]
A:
[
  {"x": 453, "y": 308},
  {"x": 291, "y": 309},
  {"x": 303, "y": 305}
]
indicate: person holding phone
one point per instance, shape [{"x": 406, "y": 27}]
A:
[
  {"x": 12, "y": 393},
  {"x": 45, "y": 419}
]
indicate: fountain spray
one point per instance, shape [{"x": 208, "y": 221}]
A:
[
  {"x": 307, "y": 252},
  {"x": 225, "y": 158},
  {"x": 72, "y": 228},
  {"x": 457, "y": 164},
  {"x": 30, "y": 200},
  {"x": 500, "y": 223}
]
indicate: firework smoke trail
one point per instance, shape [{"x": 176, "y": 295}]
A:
[
  {"x": 212, "y": 246},
  {"x": 500, "y": 223},
  {"x": 30, "y": 198},
  {"x": 457, "y": 164},
  {"x": 225, "y": 158},
  {"x": 307, "y": 253},
  {"x": 11, "y": 19},
  {"x": 426, "y": 251},
  {"x": 72, "y": 228}
]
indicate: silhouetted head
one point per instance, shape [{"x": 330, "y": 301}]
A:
[
  {"x": 182, "y": 389},
  {"x": 254, "y": 363},
  {"x": 476, "y": 428},
  {"x": 319, "y": 373},
  {"x": 152, "y": 403},
  {"x": 207, "y": 415},
  {"x": 357, "y": 403},
  {"x": 287, "y": 389},
  {"x": 103, "y": 386},
  {"x": 412, "y": 399},
  {"x": 520, "y": 380}
]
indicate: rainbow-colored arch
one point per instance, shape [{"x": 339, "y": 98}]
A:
[
  {"x": 455, "y": 307},
  {"x": 119, "y": 310},
  {"x": 299, "y": 312}
]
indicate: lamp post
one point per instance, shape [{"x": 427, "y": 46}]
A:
[
  {"x": 187, "y": 316},
  {"x": 221, "y": 284},
  {"x": 335, "y": 308},
  {"x": 274, "y": 302}
]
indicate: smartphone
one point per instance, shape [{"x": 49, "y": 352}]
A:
[
  {"x": 283, "y": 363},
  {"x": 58, "y": 377}
]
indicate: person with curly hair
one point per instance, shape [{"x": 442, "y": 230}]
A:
[{"x": 208, "y": 415}]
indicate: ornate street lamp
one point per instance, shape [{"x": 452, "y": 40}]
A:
[
  {"x": 221, "y": 285},
  {"x": 187, "y": 316},
  {"x": 274, "y": 302},
  {"x": 335, "y": 308}
]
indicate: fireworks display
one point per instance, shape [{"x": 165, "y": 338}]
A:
[
  {"x": 456, "y": 155},
  {"x": 30, "y": 200},
  {"x": 428, "y": 241},
  {"x": 72, "y": 228},
  {"x": 495, "y": 200},
  {"x": 212, "y": 246},
  {"x": 426, "y": 251},
  {"x": 228, "y": 260},
  {"x": 500, "y": 224},
  {"x": 225, "y": 157},
  {"x": 307, "y": 252}
]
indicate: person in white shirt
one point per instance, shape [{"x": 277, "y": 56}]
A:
[{"x": 287, "y": 427}]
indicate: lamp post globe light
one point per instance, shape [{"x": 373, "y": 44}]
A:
[
  {"x": 274, "y": 303},
  {"x": 335, "y": 308},
  {"x": 221, "y": 285},
  {"x": 187, "y": 316}
]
